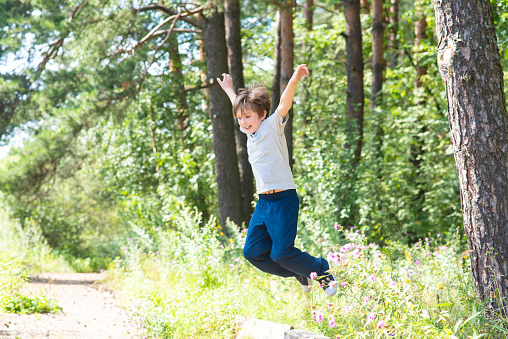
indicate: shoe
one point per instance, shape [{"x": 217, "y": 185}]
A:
[
  {"x": 325, "y": 281},
  {"x": 305, "y": 282}
]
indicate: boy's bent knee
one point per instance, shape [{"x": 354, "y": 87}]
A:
[
  {"x": 282, "y": 257},
  {"x": 251, "y": 255}
]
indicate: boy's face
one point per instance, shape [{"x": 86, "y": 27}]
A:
[{"x": 250, "y": 120}]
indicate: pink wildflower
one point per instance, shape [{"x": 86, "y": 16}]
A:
[
  {"x": 331, "y": 323},
  {"x": 332, "y": 283},
  {"x": 370, "y": 318},
  {"x": 392, "y": 284},
  {"x": 336, "y": 226},
  {"x": 348, "y": 309},
  {"x": 313, "y": 275},
  {"x": 343, "y": 284},
  {"x": 345, "y": 248},
  {"x": 371, "y": 278},
  {"x": 380, "y": 324},
  {"x": 319, "y": 317}
]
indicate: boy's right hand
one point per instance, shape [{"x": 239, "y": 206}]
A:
[{"x": 226, "y": 83}]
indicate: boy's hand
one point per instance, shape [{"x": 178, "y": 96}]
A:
[
  {"x": 226, "y": 83},
  {"x": 300, "y": 72}
]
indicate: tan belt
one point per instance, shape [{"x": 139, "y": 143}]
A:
[{"x": 272, "y": 191}]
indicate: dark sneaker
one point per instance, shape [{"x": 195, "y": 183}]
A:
[
  {"x": 328, "y": 283},
  {"x": 305, "y": 282}
]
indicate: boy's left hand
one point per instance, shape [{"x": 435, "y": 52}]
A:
[{"x": 300, "y": 72}]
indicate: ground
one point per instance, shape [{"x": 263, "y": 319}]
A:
[{"x": 89, "y": 310}]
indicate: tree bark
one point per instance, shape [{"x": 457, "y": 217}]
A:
[
  {"x": 393, "y": 42},
  {"x": 420, "y": 35},
  {"x": 175, "y": 65},
  {"x": 306, "y": 105},
  {"x": 469, "y": 63},
  {"x": 365, "y": 5},
  {"x": 378, "y": 63},
  {"x": 275, "y": 89},
  {"x": 234, "y": 43},
  {"x": 226, "y": 163},
  {"x": 354, "y": 67},
  {"x": 286, "y": 69},
  {"x": 308, "y": 10}
]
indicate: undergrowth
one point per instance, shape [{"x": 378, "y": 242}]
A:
[
  {"x": 12, "y": 279},
  {"x": 190, "y": 281}
]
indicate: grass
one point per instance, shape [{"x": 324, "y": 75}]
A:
[
  {"x": 12, "y": 279},
  {"x": 190, "y": 282},
  {"x": 23, "y": 252}
]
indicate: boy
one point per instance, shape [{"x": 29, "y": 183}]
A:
[{"x": 272, "y": 230}]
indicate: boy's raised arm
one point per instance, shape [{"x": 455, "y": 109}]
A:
[
  {"x": 227, "y": 85},
  {"x": 286, "y": 99}
]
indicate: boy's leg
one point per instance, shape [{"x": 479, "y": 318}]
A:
[
  {"x": 258, "y": 245},
  {"x": 282, "y": 228}
]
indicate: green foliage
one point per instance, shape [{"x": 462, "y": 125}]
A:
[
  {"x": 12, "y": 279},
  {"x": 182, "y": 283},
  {"x": 23, "y": 304},
  {"x": 30, "y": 246}
]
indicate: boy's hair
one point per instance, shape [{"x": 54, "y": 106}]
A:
[{"x": 256, "y": 98}]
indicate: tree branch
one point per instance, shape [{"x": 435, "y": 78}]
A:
[
  {"x": 158, "y": 48},
  {"x": 169, "y": 11},
  {"x": 55, "y": 46}
]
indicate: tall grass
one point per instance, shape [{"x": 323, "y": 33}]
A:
[
  {"x": 29, "y": 245},
  {"x": 23, "y": 252},
  {"x": 189, "y": 281}
]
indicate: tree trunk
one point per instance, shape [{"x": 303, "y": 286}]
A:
[
  {"x": 354, "y": 67},
  {"x": 377, "y": 51},
  {"x": 365, "y": 5},
  {"x": 175, "y": 65},
  {"x": 393, "y": 42},
  {"x": 420, "y": 35},
  {"x": 469, "y": 63},
  {"x": 308, "y": 10},
  {"x": 226, "y": 163},
  {"x": 286, "y": 65},
  {"x": 234, "y": 43},
  {"x": 307, "y": 50},
  {"x": 275, "y": 89}
]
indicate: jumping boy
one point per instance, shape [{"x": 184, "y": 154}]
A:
[{"x": 270, "y": 243}]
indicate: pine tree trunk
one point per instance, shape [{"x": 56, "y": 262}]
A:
[
  {"x": 286, "y": 69},
  {"x": 393, "y": 42},
  {"x": 377, "y": 51},
  {"x": 418, "y": 144},
  {"x": 275, "y": 89},
  {"x": 469, "y": 63},
  {"x": 175, "y": 65},
  {"x": 308, "y": 10},
  {"x": 365, "y": 5},
  {"x": 234, "y": 43},
  {"x": 420, "y": 35},
  {"x": 226, "y": 163},
  {"x": 354, "y": 67},
  {"x": 378, "y": 67}
]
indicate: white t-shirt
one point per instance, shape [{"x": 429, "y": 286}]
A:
[{"x": 268, "y": 155}]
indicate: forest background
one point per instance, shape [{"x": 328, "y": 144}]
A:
[{"x": 122, "y": 146}]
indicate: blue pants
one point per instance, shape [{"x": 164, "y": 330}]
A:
[{"x": 270, "y": 243}]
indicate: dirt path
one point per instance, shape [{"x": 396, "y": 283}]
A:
[{"x": 89, "y": 311}]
